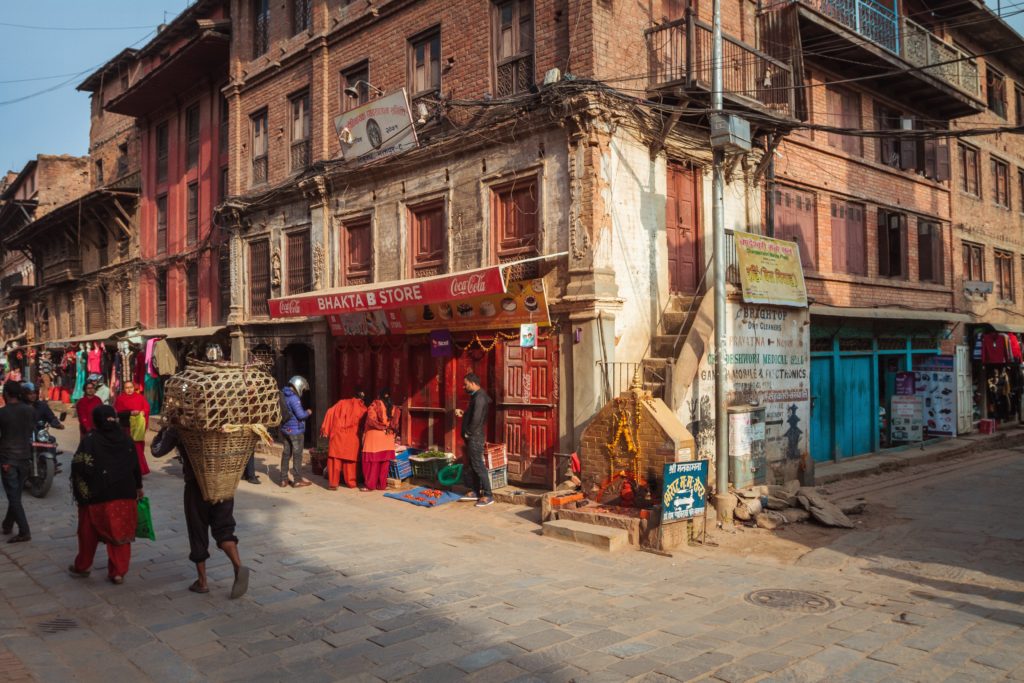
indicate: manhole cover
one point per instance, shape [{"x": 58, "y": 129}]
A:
[
  {"x": 795, "y": 601},
  {"x": 58, "y": 625}
]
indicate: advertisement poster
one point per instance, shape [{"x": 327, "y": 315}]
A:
[
  {"x": 905, "y": 383},
  {"x": 936, "y": 384},
  {"x": 440, "y": 344},
  {"x": 907, "y": 418},
  {"x": 523, "y": 302},
  {"x": 377, "y": 129},
  {"x": 685, "y": 490},
  {"x": 528, "y": 335},
  {"x": 770, "y": 271}
]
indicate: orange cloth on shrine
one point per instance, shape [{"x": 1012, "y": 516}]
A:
[{"x": 341, "y": 426}]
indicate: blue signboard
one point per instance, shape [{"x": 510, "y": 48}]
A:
[{"x": 685, "y": 490}]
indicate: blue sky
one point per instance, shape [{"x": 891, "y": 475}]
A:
[{"x": 57, "y": 122}]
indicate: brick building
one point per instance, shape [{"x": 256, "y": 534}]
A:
[
  {"x": 508, "y": 167},
  {"x": 172, "y": 91}
]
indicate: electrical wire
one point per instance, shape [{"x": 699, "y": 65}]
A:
[{"x": 31, "y": 27}]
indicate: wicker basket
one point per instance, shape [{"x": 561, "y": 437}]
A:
[
  {"x": 208, "y": 396},
  {"x": 218, "y": 460}
]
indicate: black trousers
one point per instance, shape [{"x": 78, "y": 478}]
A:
[
  {"x": 477, "y": 477},
  {"x": 14, "y": 483},
  {"x": 203, "y": 518}
]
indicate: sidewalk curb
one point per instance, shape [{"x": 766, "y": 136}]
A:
[{"x": 876, "y": 463}]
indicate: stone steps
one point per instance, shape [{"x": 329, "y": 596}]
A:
[{"x": 600, "y": 537}]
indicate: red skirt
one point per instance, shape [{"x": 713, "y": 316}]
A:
[
  {"x": 114, "y": 521},
  {"x": 378, "y": 456}
]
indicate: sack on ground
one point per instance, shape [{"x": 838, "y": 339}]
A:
[{"x": 144, "y": 527}]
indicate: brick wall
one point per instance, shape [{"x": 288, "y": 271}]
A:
[
  {"x": 114, "y": 139},
  {"x": 58, "y": 180}
]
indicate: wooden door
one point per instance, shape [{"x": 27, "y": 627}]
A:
[
  {"x": 528, "y": 409},
  {"x": 856, "y": 413},
  {"x": 682, "y": 229},
  {"x": 427, "y": 422},
  {"x": 471, "y": 360},
  {"x": 822, "y": 403},
  {"x": 354, "y": 372}
]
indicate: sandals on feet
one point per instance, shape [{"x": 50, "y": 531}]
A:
[
  {"x": 77, "y": 574},
  {"x": 241, "y": 584},
  {"x": 196, "y": 587}
]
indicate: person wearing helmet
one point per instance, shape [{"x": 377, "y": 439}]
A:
[{"x": 293, "y": 430}]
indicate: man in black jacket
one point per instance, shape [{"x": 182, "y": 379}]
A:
[
  {"x": 473, "y": 420},
  {"x": 16, "y": 423}
]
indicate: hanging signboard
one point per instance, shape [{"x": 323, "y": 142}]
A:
[
  {"x": 684, "y": 493},
  {"x": 377, "y": 129},
  {"x": 391, "y": 295},
  {"x": 770, "y": 271},
  {"x": 907, "y": 419},
  {"x": 523, "y": 302},
  {"x": 905, "y": 383}
]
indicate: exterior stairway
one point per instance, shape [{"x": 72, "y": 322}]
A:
[{"x": 659, "y": 365}]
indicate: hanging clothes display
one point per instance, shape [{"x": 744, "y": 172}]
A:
[
  {"x": 80, "y": 364},
  {"x": 95, "y": 355}
]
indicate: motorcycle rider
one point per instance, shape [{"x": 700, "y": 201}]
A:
[
  {"x": 41, "y": 409},
  {"x": 16, "y": 425}
]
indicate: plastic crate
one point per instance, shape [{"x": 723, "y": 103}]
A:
[
  {"x": 399, "y": 469},
  {"x": 499, "y": 478},
  {"x": 428, "y": 469},
  {"x": 494, "y": 456}
]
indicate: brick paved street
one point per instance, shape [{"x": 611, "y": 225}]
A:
[{"x": 350, "y": 586}]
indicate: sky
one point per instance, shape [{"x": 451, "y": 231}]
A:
[{"x": 57, "y": 122}]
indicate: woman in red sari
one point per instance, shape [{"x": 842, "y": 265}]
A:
[
  {"x": 382, "y": 420},
  {"x": 106, "y": 482},
  {"x": 129, "y": 404},
  {"x": 84, "y": 407}
]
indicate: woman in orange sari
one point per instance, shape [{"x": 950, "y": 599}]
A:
[
  {"x": 341, "y": 426},
  {"x": 382, "y": 420}
]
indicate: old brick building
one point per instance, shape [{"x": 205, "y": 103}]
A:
[
  {"x": 508, "y": 168},
  {"x": 173, "y": 93}
]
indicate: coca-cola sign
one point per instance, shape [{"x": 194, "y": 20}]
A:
[{"x": 392, "y": 295}]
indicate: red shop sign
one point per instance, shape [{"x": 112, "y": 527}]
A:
[{"x": 391, "y": 295}]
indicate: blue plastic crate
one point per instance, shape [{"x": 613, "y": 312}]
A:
[{"x": 400, "y": 469}]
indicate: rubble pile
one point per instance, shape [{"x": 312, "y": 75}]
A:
[{"x": 771, "y": 507}]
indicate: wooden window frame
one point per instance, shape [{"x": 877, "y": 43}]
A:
[
  {"x": 995, "y": 91},
  {"x": 842, "y": 206},
  {"x": 161, "y": 297},
  {"x": 503, "y": 196},
  {"x": 811, "y": 248},
  {"x": 260, "y": 163},
  {"x": 299, "y": 275},
  {"x": 890, "y": 222},
  {"x": 258, "y": 306},
  {"x": 223, "y": 124},
  {"x": 350, "y": 275},
  {"x": 930, "y": 252},
  {"x": 301, "y": 16},
  {"x": 192, "y": 213},
  {"x": 965, "y": 155},
  {"x": 1018, "y": 98},
  {"x": 519, "y": 61},
  {"x": 1000, "y": 182},
  {"x": 192, "y": 133},
  {"x": 300, "y": 124},
  {"x": 358, "y": 77},
  {"x": 161, "y": 141},
  {"x": 161, "y": 209},
  {"x": 849, "y": 144},
  {"x": 426, "y": 40},
  {"x": 260, "y": 27},
  {"x": 440, "y": 264},
  {"x": 192, "y": 294},
  {"x": 973, "y": 256},
  {"x": 1005, "y": 276}
]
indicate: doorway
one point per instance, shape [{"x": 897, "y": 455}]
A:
[{"x": 682, "y": 229}]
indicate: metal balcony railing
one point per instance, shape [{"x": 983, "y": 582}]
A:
[
  {"x": 872, "y": 20},
  {"x": 680, "y": 53},
  {"x": 921, "y": 47}
]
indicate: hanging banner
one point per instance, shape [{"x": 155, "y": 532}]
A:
[
  {"x": 936, "y": 382},
  {"x": 528, "y": 335},
  {"x": 685, "y": 490},
  {"x": 523, "y": 302},
  {"x": 441, "y": 344},
  {"x": 770, "y": 271},
  {"x": 377, "y": 129},
  {"x": 392, "y": 295}
]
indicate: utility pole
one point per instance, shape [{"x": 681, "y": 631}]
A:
[{"x": 718, "y": 242}]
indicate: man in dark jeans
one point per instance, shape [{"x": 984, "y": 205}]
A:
[
  {"x": 293, "y": 430},
  {"x": 473, "y": 420},
  {"x": 16, "y": 423}
]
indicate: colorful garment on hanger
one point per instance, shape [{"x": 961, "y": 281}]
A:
[
  {"x": 995, "y": 349},
  {"x": 80, "y": 364},
  {"x": 1014, "y": 347},
  {"x": 94, "y": 359}
]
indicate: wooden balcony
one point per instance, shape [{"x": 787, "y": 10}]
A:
[
  {"x": 680, "y": 58},
  {"x": 62, "y": 270},
  {"x": 869, "y": 41}
]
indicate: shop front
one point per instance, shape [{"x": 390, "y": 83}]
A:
[
  {"x": 996, "y": 363},
  {"x": 419, "y": 339}
]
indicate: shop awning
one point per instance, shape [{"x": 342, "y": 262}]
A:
[
  {"x": 181, "y": 332},
  {"x": 104, "y": 335},
  {"x": 384, "y": 296},
  {"x": 888, "y": 313},
  {"x": 1003, "y": 327}
]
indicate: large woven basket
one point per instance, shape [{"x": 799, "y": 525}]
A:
[
  {"x": 209, "y": 396},
  {"x": 218, "y": 460}
]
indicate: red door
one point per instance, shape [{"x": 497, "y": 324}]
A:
[
  {"x": 353, "y": 364},
  {"x": 682, "y": 228},
  {"x": 528, "y": 406},
  {"x": 471, "y": 360},
  {"x": 427, "y": 416}
]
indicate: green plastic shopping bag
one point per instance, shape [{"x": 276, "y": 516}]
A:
[
  {"x": 137, "y": 427},
  {"x": 144, "y": 527}
]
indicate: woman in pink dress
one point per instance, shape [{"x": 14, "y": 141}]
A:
[{"x": 131, "y": 403}]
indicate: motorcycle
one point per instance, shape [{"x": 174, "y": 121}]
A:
[{"x": 44, "y": 460}]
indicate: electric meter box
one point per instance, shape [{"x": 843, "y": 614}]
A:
[{"x": 730, "y": 133}]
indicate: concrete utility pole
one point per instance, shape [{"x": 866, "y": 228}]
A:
[{"x": 718, "y": 241}]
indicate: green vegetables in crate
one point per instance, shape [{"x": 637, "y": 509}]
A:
[{"x": 431, "y": 454}]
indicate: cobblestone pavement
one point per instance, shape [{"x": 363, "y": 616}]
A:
[{"x": 351, "y": 586}]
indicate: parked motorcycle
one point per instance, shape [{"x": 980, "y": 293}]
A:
[{"x": 44, "y": 460}]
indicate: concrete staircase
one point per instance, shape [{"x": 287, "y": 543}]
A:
[{"x": 674, "y": 326}]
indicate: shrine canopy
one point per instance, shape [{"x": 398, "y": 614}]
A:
[{"x": 383, "y": 296}]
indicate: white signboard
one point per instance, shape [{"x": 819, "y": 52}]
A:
[
  {"x": 377, "y": 129},
  {"x": 907, "y": 418}
]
